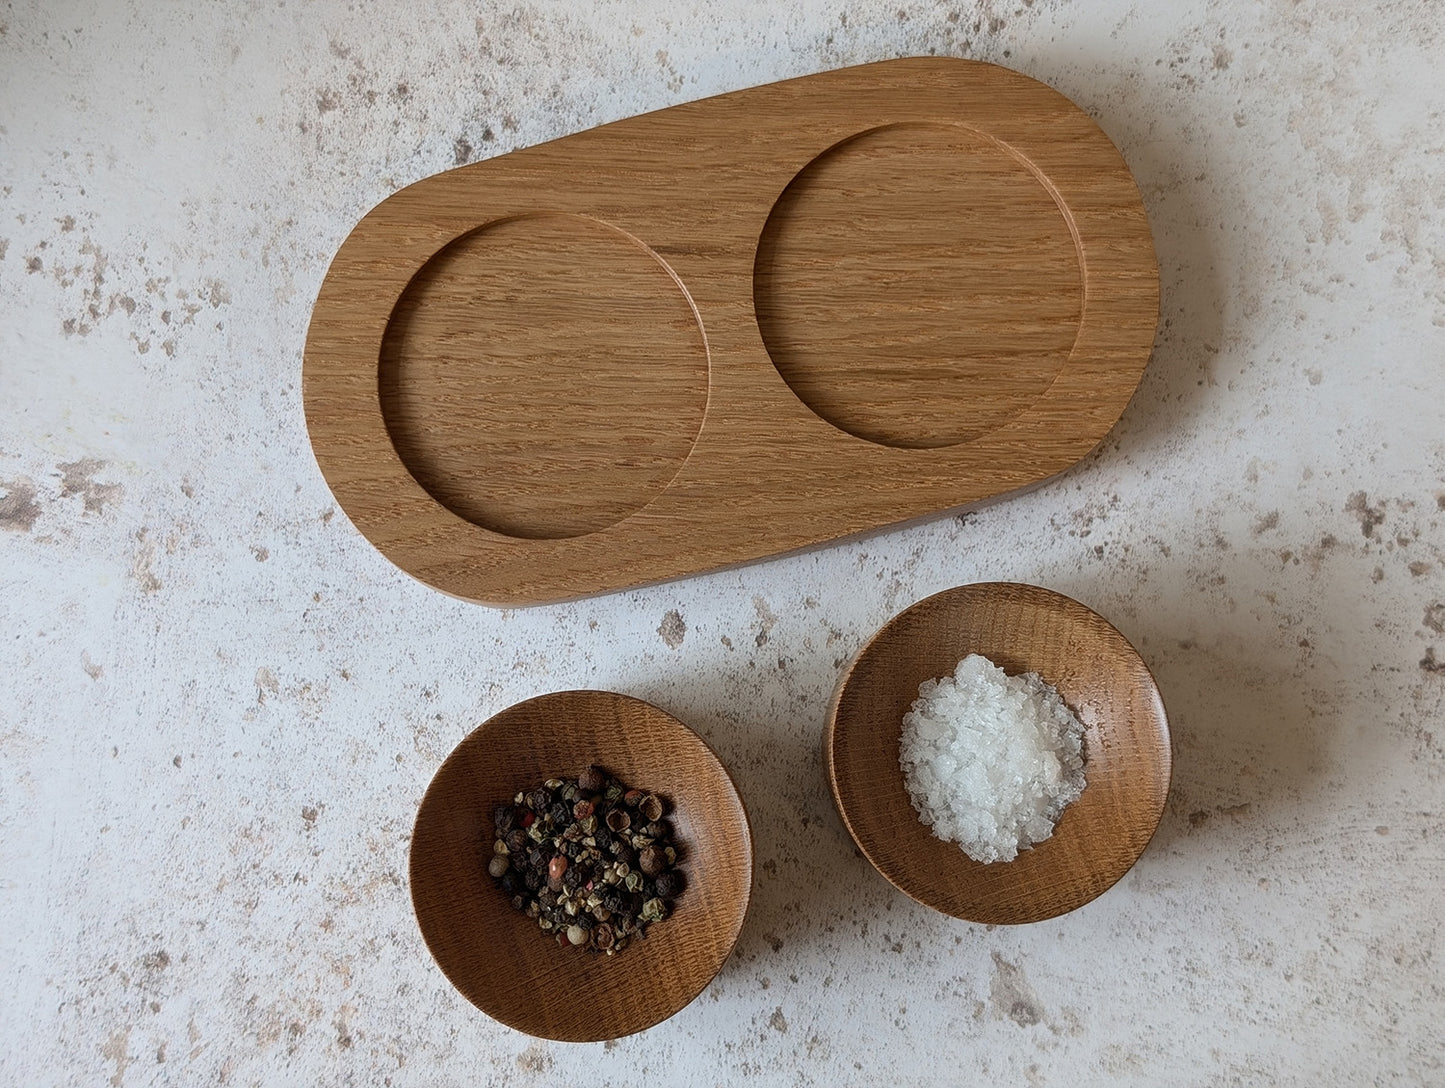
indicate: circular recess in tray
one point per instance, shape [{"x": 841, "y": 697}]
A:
[
  {"x": 544, "y": 376},
  {"x": 917, "y": 285}
]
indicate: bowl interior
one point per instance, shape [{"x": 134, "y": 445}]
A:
[
  {"x": 1101, "y": 678},
  {"x": 495, "y": 955}
]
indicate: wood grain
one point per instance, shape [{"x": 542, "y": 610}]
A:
[
  {"x": 730, "y": 329},
  {"x": 495, "y": 955},
  {"x": 1100, "y": 677},
  {"x": 543, "y": 376},
  {"x": 917, "y": 286}
]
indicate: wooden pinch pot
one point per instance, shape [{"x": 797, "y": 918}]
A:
[
  {"x": 496, "y": 956},
  {"x": 1101, "y": 678}
]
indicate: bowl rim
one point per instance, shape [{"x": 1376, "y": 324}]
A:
[
  {"x": 830, "y": 769},
  {"x": 745, "y": 836}
]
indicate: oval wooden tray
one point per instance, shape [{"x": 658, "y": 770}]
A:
[{"x": 730, "y": 329}]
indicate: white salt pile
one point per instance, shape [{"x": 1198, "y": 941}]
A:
[{"x": 991, "y": 760}]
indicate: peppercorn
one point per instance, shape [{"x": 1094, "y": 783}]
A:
[
  {"x": 651, "y": 860},
  {"x": 592, "y": 780},
  {"x": 573, "y": 857}
]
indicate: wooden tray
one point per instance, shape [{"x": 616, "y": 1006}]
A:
[{"x": 730, "y": 329}]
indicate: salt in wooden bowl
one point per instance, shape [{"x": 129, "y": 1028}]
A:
[{"x": 1100, "y": 677}]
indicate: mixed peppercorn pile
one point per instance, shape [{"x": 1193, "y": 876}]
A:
[{"x": 590, "y": 859}]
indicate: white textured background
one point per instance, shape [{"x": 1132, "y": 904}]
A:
[{"x": 219, "y": 706}]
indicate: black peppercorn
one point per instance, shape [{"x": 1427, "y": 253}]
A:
[
  {"x": 669, "y": 884},
  {"x": 560, "y": 814},
  {"x": 504, "y": 817},
  {"x": 516, "y": 840}
]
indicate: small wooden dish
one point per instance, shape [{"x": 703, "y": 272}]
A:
[
  {"x": 730, "y": 329},
  {"x": 495, "y": 955},
  {"x": 1101, "y": 678}
]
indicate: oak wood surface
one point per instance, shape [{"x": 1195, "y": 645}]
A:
[
  {"x": 730, "y": 329},
  {"x": 495, "y": 955},
  {"x": 1103, "y": 681}
]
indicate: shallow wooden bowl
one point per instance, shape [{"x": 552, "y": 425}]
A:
[
  {"x": 1101, "y": 677},
  {"x": 496, "y": 956}
]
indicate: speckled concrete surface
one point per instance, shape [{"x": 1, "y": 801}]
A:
[{"x": 219, "y": 706}]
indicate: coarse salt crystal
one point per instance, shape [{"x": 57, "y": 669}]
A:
[{"x": 990, "y": 760}]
